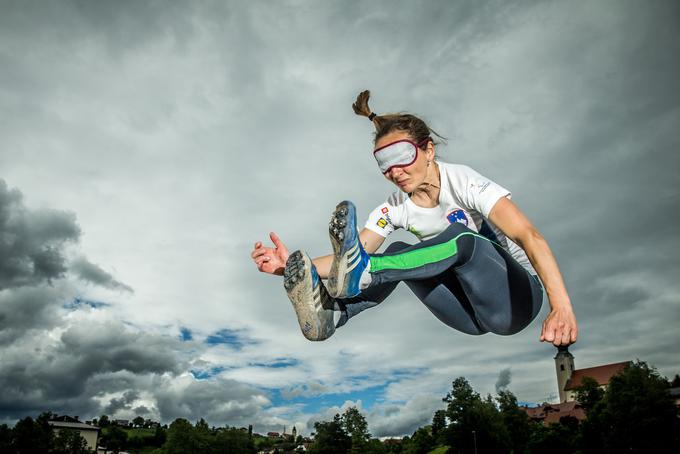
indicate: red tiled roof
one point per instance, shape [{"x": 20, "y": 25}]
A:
[
  {"x": 601, "y": 374},
  {"x": 550, "y": 413}
]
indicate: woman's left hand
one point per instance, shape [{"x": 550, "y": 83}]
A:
[{"x": 560, "y": 327}]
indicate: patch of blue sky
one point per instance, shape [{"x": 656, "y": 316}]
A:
[
  {"x": 77, "y": 303},
  {"x": 204, "y": 374},
  {"x": 522, "y": 403},
  {"x": 388, "y": 377},
  {"x": 185, "y": 334},
  {"x": 278, "y": 363},
  {"x": 315, "y": 403},
  {"x": 369, "y": 389},
  {"x": 229, "y": 337}
]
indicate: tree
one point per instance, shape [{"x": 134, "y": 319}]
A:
[
  {"x": 69, "y": 442},
  {"x": 331, "y": 437},
  {"x": 555, "y": 438},
  {"x": 181, "y": 438},
  {"x": 676, "y": 381},
  {"x": 159, "y": 437},
  {"x": 356, "y": 427},
  {"x": 375, "y": 446},
  {"x": 104, "y": 421},
  {"x": 115, "y": 439},
  {"x": 203, "y": 436},
  {"x": 438, "y": 425},
  {"x": 420, "y": 443},
  {"x": 6, "y": 438},
  {"x": 474, "y": 422},
  {"x": 138, "y": 421},
  {"x": 33, "y": 435},
  {"x": 636, "y": 414},
  {"x": 589, "y": 394},
  {"x": 233, "y": 440},
  {"x": 515, "y": 420}
]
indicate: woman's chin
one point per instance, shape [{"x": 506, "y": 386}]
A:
[{"x": 405, "y": 187}]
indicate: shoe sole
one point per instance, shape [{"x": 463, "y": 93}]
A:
[
  {"x": 298, "y": 282},
  {"x": 341, "y": 258}
]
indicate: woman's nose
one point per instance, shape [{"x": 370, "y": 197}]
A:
[{"x": 394, "y": 172}]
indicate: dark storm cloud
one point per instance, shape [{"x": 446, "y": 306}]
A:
[
  {"x": 87, "y": 360},
  {"x": 91, "y": 272},
  {"x": 24, "y": 310},
  {"x": 217, "y": 401},
  {"x": 141, "y": 410},
  {"x": 31, "y": 241},
  {"x": 123, "y": 403},
  {"x": 110, "y": 347},
  {"x": 32, "y": 257}
]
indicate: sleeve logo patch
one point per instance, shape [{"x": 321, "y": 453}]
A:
[
  {"x": 384, "y": 210},
  {"x": 457, "y": 216},
  {"x": 381, "y": 223}
]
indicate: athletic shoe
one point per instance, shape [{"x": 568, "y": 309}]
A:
[
  {"x": 350, "y": 261},
  {"x": 312, "y": 303}
]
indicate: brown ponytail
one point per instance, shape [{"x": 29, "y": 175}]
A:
[
  {"x": 360, "y": 107},
  {"x": 385, "y": 124}
]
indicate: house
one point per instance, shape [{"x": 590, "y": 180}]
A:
[
  {"x": 89, "y": 432},
  {"x": 552, "y": 413}
]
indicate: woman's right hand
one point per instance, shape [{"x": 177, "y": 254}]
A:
[{"x": 270, "y": 260}]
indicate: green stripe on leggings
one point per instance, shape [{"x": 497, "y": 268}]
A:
[{"x": 418, "y": 257}]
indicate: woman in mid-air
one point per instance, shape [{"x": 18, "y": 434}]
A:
[{"x": 478, "y": 266}]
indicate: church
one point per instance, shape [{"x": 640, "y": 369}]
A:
[{"x": 568, "y": 379}]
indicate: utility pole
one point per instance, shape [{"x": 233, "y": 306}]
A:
[{"x": 474, "y": 438}]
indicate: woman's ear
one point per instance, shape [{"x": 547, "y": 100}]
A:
[{"x": 429, "y": 151}]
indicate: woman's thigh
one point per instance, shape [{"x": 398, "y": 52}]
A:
[
  {"x": 445, "y": 298},
  {"x": 505, "y": 298}
]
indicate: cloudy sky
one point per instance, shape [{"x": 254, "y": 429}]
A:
[{"x": 145, "y": 146}]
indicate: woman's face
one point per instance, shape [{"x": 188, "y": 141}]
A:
[{"x": 410, "y": 177}]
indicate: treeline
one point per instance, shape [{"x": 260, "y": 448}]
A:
[{"x": 635, "y": 414}]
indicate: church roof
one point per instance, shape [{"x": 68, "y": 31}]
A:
[{"x": 601, "y": 374}]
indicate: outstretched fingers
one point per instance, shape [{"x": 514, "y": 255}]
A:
[{"x": 281, "y": 249}]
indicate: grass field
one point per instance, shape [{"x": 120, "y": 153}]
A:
[{"x": 439, "y": 450}]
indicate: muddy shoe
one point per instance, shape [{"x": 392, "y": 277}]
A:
[
  {"x": 313, "y": 305},
  {"x": 350, "y": 266}
]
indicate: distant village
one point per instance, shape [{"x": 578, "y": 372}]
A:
[{"x": 569, "y": 381}]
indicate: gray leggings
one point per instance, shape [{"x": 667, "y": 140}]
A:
[{"x": 477, "y": 288}]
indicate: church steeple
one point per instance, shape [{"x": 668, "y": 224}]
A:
[{"x": 564, "y": 366}]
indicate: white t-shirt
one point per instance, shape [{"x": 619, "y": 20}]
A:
[{"x": 465, "y": 196}]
